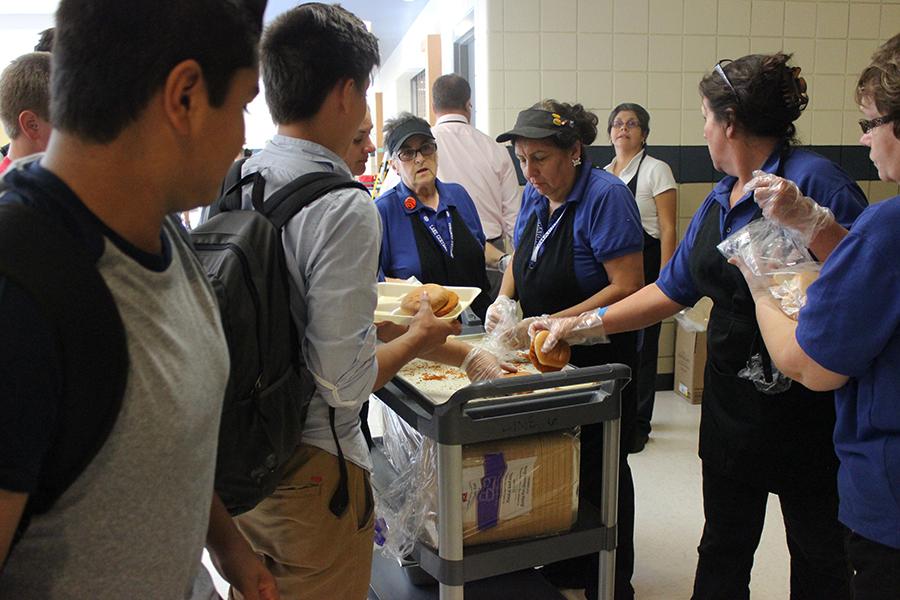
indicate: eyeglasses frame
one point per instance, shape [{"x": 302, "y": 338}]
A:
[
  {"x": 417, "y": 151},
  {"x": 868, "y": 125}
]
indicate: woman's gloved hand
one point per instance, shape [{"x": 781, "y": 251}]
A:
[
  {"x": 480, "y": 364},
  {"x": 586, "y": 328},
  {"x": 782, "y": 202},
  {"x": 501, "y": 311}
]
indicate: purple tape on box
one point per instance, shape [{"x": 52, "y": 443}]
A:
[{"x": 489, "y": 495}]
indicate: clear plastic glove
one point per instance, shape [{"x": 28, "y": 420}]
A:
[
  {"x": 781, "y": 201},
  {"x": 586, "y": 328},
  {"x": 479, "y": 364},
  {"x": 516, "y": 337},
  {"x": 503, "y": 310}
]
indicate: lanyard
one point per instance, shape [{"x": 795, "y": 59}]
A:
[
  {"x": 541, "y": 236},
  {"x": 437, "y": 234}
]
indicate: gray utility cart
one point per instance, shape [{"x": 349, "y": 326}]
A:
[{"x": 494, "y": 410}]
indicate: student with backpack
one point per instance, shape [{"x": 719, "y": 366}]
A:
[
  {"x": 113, "y": 362},
  {"x": 316, "y": 61}
]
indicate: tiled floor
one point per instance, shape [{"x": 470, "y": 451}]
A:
[{"x": 669, "y": 514}]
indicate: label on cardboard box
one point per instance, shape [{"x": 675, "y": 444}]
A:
[{"x": 515, "y": 490}]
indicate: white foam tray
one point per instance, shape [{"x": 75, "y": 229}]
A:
[{"x": 390, "y": 294}]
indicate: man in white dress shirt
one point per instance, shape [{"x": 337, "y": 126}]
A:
[{"x": 475, "y": 161}]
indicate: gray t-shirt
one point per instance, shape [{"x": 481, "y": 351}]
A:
[{"x": 133, "y": 525}]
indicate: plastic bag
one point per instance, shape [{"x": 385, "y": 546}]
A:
[
  {"x": 765, "y": 247},
  {"x": 789, "y": 286},
  {"x": 498, "y": 341},
  {"x": 508, "y": 490},
  {"x": 755, "y": 373},
  {"x": 695, "y": 319},
  {"x": 403, "y": 507}
]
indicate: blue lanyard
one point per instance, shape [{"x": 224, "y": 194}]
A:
[
  {"x": 437, "y": 234},
  {"x": 541, "y": 236}
]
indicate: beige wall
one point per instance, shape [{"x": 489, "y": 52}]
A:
[{"x": 654, "y": 52}]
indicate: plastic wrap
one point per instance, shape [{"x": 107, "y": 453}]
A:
[
  {"x": 765, "y": 247},
  {"x": 503, "y": 320},
  {"x": 756, "y": 374},
  {"x": 788, "y": 286},
  {"x": 514, "y": 488},
  {"x": 776, "y": 260},
  {"x": 694, "y": 319}
]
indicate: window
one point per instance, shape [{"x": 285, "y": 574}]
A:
[{"x": 418, "y": 95}]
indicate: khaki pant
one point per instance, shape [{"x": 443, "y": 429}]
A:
[{"x": 313, "y": 554}]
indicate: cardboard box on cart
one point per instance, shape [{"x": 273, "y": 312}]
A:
[{"x": 690, "y": 350}]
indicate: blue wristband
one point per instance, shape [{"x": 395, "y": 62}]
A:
[{"x": 601, "y": 311}]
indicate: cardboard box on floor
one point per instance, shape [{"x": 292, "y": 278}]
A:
[
  {"x": 690, "y": 350},
  {"x": 537, "y": 494}
]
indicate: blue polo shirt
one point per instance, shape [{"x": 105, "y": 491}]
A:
[
  {"x": 815, "y": 175},
  {"x": 399, "y": 253},
  {"x": 606, "y": 224},
  {"x": 851, "y": 325}
]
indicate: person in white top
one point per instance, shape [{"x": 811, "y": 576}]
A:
[
  {"x": 653, "y": 186},
  {"x": 475, "y": 161}
]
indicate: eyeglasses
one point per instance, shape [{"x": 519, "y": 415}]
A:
[
  {"x": 629, "y": 124},
  {"x": 868, "y": 125},
  {"x": 718, "y": 69},
  {"x": 406, "y": 153}
]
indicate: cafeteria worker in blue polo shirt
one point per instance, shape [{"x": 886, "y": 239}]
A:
[
  {"x": 579, "y": 245},
  {"x": 431, "y": 228},
  {"x": 847, "y": 337},
  {"x": 752, "y": 443}
]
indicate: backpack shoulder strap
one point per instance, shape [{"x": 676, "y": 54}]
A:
[
  {"x": 230, "y": 190},
  {"x": 292, "y": 198},
  {"x": 43, "y": 258}
]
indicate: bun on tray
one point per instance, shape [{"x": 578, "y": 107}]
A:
[
  {"x": 442, "y": 300},
  {"x": 554, "y": 360}
]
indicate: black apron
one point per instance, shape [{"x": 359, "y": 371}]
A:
[
  {"x": 652, "y": 249},
  {"x": 782, "y": 442},
  {"x": 466, "y": 268},
  {"x": 550, "y": 285}
]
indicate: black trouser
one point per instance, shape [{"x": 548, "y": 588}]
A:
[
  {"x": 582, "y": 571},
  {"x": 877, "y": 569},
  {"x": 735, "y": 512},
  {"x": 646, "y": 380}
]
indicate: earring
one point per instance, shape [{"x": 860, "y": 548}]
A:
[{"x": 576, "y": 161}]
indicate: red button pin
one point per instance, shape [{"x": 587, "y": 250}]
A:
[{"x": 409, "y": 203}]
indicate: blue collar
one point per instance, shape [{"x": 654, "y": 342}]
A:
[
  {"x": 722, "y": 190},
  {"x": 445, "y": 199}
]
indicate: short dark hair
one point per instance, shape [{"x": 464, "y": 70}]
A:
[
  {"x": 24, "y": 85},
  {"x": 762, "y": 94},
  {"x": 585, "y": 130},
  {"x": 45, "y": 42},
  {"x": 880, "y": 81},
  {"x": 306, "y": 51},
  {"x": 110, "y": 57},
  {"x": 450, "y": 92},
  {"x": 640, "y": 112}
]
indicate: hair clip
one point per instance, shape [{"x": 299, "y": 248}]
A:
[{"x": 793, "y": 89}]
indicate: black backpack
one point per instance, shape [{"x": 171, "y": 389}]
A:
[
  {"x": 269, "y": 386},
  {"x": 43, "y": 258}
]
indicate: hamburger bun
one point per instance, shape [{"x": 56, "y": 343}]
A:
[
  {"x": 442, "y": 300},
  {"x": 554, "y": 360}
]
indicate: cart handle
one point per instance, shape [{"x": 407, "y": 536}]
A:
[{"x": 503, "y": 387}]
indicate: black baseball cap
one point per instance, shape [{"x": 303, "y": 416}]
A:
[
  {"x": 404, "y": 131},
  {"x": 537, "y": 124}
]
